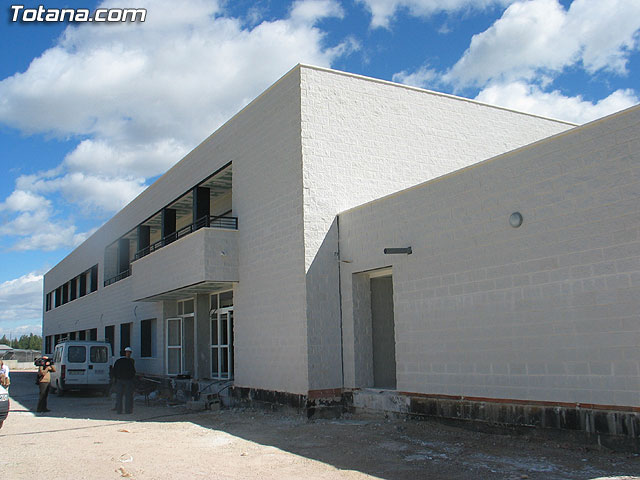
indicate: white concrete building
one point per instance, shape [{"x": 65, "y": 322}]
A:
[
  {"x": 235, "y": 264},
  {"x": 520, "y": 299}
]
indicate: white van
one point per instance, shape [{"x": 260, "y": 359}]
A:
[{"x": 81, "y": 365}]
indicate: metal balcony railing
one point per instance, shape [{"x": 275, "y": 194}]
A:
[
  {"x": 118, "y": 277},
  {"x": 208, "y": 221}
]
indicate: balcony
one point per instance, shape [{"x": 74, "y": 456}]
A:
[
  {"x": 208, "y": 222},
  {"x": 222, "y": 222},
  {"x": 197, "y": 260}
]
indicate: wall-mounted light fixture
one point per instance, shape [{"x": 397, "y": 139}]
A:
[
  {"x": 515, "y": 220},
  {"x": 396, "y": 251}
]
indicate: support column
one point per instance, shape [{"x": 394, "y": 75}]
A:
[
  {"x": 144, "y": 237},
  {"x": 201, "y": 204},
  {"x": 168, "y": 224}
]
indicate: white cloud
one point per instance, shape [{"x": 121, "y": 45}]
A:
[
  {"x": 538, "y": 36},
  {"x": 515, "y": 62},
  {"x": 141, "y": 96},
  {"x": 21, "y": 305},
  {"x": 531, "y": 98},
  {"x": 423, "y": 77},
  {"x": 38, "y": 231},
  {"x": 382, "y": 11},
  {"x": 307, "y": 12},
  {"x": 21, "y": 201}
]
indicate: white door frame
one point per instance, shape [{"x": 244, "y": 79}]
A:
[
  {"x": 175, "y": 347},
  {"x": 219, "y": 347}
]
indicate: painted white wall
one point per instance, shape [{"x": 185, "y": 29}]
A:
[
  {"x": 364, "y": 138},
  {"x": 547, "y": 311}
]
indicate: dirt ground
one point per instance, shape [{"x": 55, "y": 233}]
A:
[{"x": 83, "y": 438}]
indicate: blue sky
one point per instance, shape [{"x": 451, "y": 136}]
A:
[{"x": 90, "y": 114}]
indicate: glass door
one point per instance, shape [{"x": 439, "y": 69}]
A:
[
  {"x": 174, "y": 346},
  {"x": 222, "y": 344}
]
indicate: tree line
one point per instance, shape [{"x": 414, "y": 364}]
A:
[{"x": 25, "y": 342}]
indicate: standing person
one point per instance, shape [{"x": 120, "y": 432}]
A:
[
  {"x": 44, "y": 379},
  {"x": 124, "y": 373},
  {"x": 5, "y": 381}
]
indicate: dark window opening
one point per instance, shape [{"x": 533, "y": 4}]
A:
[
  {"x": 83, "y": 284},
  {"x": 146, "y": 331},
  {"x": 125, "y": 337},
  {"x": 94, "y": 278},
  {"x": 73, "y": 289},
  {"x": 110, "y": 335}
]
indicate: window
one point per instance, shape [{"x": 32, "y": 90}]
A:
[
  {"x": 185, "y": 307},
  {"x": 109, "y": 335},
  {"x": 222, "y": 335},
  {"x": 48, "y": 302},
  {"x": 125, "y": 337},
  {"x": 83, "y": 284},
  {"x": 93, "y": 334},
  {"x": 147, "y": 337},
  {"x": 77, "y": 354},
  {"x": 71, "y": 335},
  {"x": 226, "y": 299},
  {"x": 99, "y": 354},
  {"x": 94, "y": 278},
  {"x": 73, "y": 289},
  {"x": 47, "y": 344},
  {"x": 65, "y": 293},
  {"x": 58, "y": 296},
  {"x": 82, "y": 335}
]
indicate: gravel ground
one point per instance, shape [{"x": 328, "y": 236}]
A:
[{"x": 83, "y": 438}]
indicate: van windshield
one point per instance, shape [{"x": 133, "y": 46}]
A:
[
  {"x": 99, "y": 354},
  {"x": 77, "y": 354}
]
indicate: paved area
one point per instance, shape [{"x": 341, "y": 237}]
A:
[{"x": 83, "y": 438}]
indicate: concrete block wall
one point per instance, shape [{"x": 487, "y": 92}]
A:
[
  {"x": 364, "y": 138},
  {"x": 263, "y": 142},
  {"x": 544, "y": 312},
  {"x": 269, "y": 299},
  {"x": 192, "y": 259}
]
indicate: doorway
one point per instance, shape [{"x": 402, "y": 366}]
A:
[{"x": 383, "y": 332}]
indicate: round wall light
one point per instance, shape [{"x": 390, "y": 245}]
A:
[{"x": 515, "y": 220}]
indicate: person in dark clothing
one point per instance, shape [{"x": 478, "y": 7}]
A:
[
  {"x": 44, "y": 379},
  {"x": 124, "y": 373}
]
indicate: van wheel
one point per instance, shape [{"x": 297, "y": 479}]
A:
[
  {"x": 59, "y": 391},
  {"x": 106, "y": 392}
]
